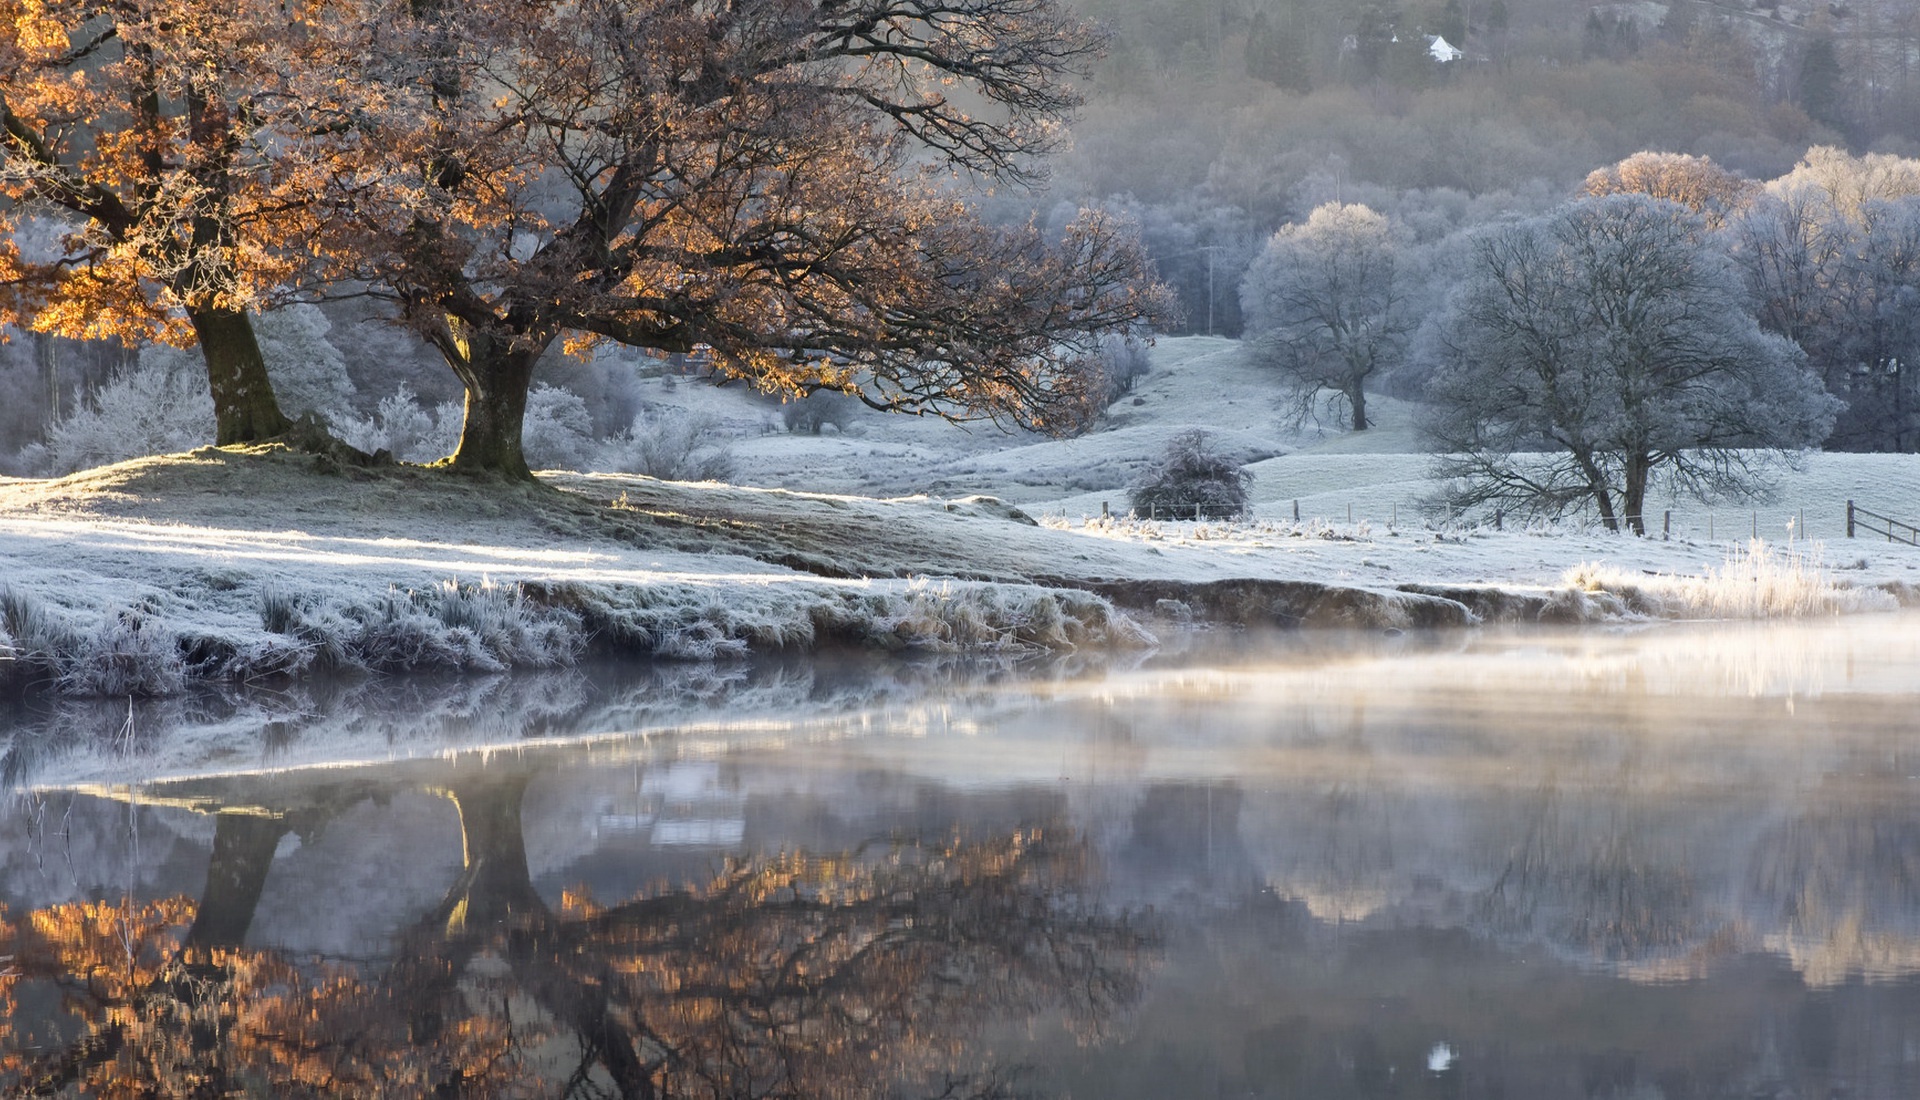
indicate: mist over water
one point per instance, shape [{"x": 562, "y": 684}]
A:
[{"x": 1670, "y": 861}]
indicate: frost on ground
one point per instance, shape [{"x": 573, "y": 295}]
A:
[
  {"x": 133, "y": 579},
  {"x": 137, "y": 578}
]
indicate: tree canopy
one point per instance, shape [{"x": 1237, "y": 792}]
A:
[
  {"x": 143, "y": 160},
  {"x": 767, "y": 179}
]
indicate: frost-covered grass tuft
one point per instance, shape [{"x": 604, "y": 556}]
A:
[
  {"x": 949, "y": 618},
  {"x": 450, "y": 626},
  {"x": 683, "y": 622},
  {"x": 132, "y": 653},
  {"x": 36, "y": 644},
  {"x": 33, "y": 633},
  {"x": 1759, "y": 580}
]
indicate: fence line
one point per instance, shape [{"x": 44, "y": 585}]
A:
[
  {"x": 1895, "y": 530},
  {"x": 1665, "y": 524}
]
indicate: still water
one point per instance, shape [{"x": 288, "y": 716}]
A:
[{"x": 1680, "y": 861}]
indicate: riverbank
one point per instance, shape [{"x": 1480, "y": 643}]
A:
[{"x": 238, "y": 565}]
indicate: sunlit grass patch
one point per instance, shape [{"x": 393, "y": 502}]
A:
[{"x": 1757, "y": 580}]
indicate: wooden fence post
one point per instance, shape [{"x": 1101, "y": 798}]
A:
[
  {"x": 1849, "y": 519},
  {"x": 1666, "y": 526}
]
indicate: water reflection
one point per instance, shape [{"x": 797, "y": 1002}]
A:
[
  {"x": 1680, "y": 862},
  {"x": 855, "y": 972}
]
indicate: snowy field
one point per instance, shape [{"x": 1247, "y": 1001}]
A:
[
  {"x": 248, "y": 565},
  {"x": 1364, "y": 500}
]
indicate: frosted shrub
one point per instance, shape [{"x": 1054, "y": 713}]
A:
[
  {"x": 404, "y": 430},
  {"x": 557, "y": 433},
  {"x": 815, "y": 411},
  {"x": 309, "y": 374},
  {"x": 671, "y": 448},
  {"x": 1191, "y": 475},
  {"x": 160, "y": 405}
]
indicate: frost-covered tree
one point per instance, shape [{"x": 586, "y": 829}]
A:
[
  {"x": 1191, "y": 480},
  {"x": 558, "y": 430},
  {"x": 1596, "y": 348},
  {"x": 154, "y": 135},
  {"x": 1825, "y": 254},
  {"x": 309, "y": 374},
  {"x": 1325, "y": 309},
  {"x": 403, "y": 429},
  {"x": 1696, "y": 183},
  {"x": 768, "y": 180}
]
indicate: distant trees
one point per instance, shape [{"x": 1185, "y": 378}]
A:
[
  {"x": 1276, "y": 51},
  {"x": 1696, "y": 183},
  {"x": 1595, "y": 349},
  {"x": 1828, "y": 257},
  {"x": 1325, "y": 308}
]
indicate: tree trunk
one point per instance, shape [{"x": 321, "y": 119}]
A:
[
  {"x": 1633, "y": 495},
  {"x": 244, "y": 408},
  {"x": 1597, "y": 488},
  {"x": 497, "y": 376},
  {"x": 493, "y": 888},
  {"x": 48, "y": 353},
  {"x": 1357, "y": 398},
  {"x": 243, "y": 849}
]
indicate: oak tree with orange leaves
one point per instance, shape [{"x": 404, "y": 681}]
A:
[
  {"x": 771, "y": 179},
  {"x": 145, "y": 145}
]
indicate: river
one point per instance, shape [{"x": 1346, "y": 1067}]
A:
[{"x": 1669, "y": 861}]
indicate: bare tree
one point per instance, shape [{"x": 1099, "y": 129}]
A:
[
  {"x": 1594, "y": 348},
  {"x": 1325, "y": 309}
]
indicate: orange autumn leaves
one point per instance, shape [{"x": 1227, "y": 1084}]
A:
[{"x": 142, "y": 159}]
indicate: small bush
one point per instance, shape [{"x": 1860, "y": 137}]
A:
[
  {"x": 671, "y": 448},
  {"x": 160, "y": 405},
  {"x": 817, "y": 410},
  {"x": 404, "y": 430},
  {"x": 1191, "y": 475},
  {"x": 557, "y": 432}
]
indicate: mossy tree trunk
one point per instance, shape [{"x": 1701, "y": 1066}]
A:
[{"x": 244, "y": 407}]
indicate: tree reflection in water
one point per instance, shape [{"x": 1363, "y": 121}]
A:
[{"x": 869, "y": 972}]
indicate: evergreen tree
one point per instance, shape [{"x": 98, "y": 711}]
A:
[
  {"x": 1277, "y": 51},
  {"x": 1820, "y": 81}
]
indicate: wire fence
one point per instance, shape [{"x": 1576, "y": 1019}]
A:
[{"x": 1779, "y": 522}]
